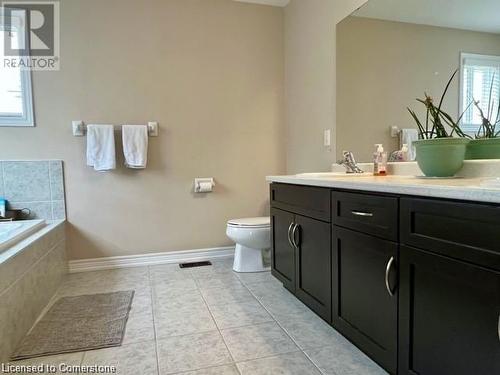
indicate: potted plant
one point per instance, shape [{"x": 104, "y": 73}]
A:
[
  {"x": 439, "y": 152},
  {"x": 487, "y": 142}
]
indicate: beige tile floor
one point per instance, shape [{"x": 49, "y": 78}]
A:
[{"x": 210, "y": 320}]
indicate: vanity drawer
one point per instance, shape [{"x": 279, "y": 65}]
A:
[
  {"x": 309, "y": 201},
  {"x": 464, "y": 231},
  {"x": 372, "y": 214}
]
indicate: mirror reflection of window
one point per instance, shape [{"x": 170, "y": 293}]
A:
[
  {"x": 390, "y": 52},
  {"x": 481, "y": 83}
]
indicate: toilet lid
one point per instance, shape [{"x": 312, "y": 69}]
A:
[{"x": 253, "y": 222}]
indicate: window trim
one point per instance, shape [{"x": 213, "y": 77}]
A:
[
  {"x": 28, "y": 118},
  {"x": 463, "y": 56}
]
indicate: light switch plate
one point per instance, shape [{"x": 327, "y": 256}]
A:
[{"x": 327, "y": 138}]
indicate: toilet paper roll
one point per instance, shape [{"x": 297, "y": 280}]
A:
[{"x": 204, "y": 187}]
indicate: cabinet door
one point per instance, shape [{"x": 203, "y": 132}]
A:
[
  {"x": 365, "y": 293},
  {"x": 283, "y": 253},
  {"x": 449, "y": 316},
  {"x": 313, "y": 265}
]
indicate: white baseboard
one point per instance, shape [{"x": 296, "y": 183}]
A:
[{"x": 107, "y": 263}]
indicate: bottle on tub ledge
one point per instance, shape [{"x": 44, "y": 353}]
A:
[
  {"x": 379, "y": 161},
  {"x": 3, "y": 207}
]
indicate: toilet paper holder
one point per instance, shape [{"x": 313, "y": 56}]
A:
[{"x": 204, "y": 185}]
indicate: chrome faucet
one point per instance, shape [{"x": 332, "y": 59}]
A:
[{"x": 349, "y": 163}]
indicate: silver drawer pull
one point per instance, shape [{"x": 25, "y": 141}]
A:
[
  {"x": 294, "y": 236},
  {"x": 363, "y": 214},
  {"x": 387, "y": 271},
  {"x": 498, "y": 327},
  {"x": 290, "y": 234}
]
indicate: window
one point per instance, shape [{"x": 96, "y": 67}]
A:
[
  {"x": 478, "y": 73},
  {"x": 16, "y": 99}
]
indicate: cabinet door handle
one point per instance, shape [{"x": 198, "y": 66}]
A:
[
  {"x": 290, "y": 234},
  {"x": 361, "y": 213},
  {"x": 498, "y": 327},
  {"x": 294, "y": 236},
  {"x": 387, "y": 272}
]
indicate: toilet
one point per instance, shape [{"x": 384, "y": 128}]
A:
[{"x": 252, "y": 237}]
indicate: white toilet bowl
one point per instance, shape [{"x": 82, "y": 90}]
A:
[{"x": 252, "y": 236}]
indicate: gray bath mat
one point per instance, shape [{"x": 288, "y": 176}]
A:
[{"x": 80, "y": 323}]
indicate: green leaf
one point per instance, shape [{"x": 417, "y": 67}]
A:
[
  {"x": 446, "y": 89},
  {"x": 421, "y": 129}
]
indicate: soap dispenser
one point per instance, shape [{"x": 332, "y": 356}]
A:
[{"x": 379, "y": 161}]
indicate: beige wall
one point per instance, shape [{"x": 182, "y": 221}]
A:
[
  {"x": 310, "y": 80},
  {"x": 209, "y": 71},
  {"x": 383, "y": 66}
]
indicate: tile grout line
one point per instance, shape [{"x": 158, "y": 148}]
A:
[
  {"x": 271, "y": 356},
  {"x": 247, "y": 325},
  {"x": 151, "y": 293},
  {"x": 299, "y": 349},
  {"x": 192, "y": 276},
  {"x": 204, "y": 368},
  {"x": 50, "y": 190},
  {"x": 286, "y": 332},
  {"x": 310, "y": 359},
  {"x": 273, "y": 320},
  {"x": 215, "y": 322}
]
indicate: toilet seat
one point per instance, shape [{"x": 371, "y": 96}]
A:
[
  {"x": 252, "y": 238},
  {"x": 251, "y": 222}
]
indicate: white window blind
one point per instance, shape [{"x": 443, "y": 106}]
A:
[
  {"x": 16, "y": 104},
  {"x": 480, "y": 75}
]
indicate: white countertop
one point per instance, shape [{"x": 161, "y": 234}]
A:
[{"x": 469, "y": 189}]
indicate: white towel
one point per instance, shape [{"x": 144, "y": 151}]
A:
[
  {"x": 407, "y": 136},
  {"x": 135, "y": 146},
  {"x": 101, "y": 147}
]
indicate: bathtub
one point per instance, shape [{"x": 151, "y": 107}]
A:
[
  {"x": 12, "y": 232},
  {"x": 32, "y": 266}
]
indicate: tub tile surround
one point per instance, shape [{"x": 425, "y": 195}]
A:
[
  {"x": 37, "y": 185},
  {"x": 30, "y": 274},
  {"x": 166, "y": 295}
]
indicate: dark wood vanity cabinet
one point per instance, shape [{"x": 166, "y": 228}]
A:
[
  {"x": 365, "y": 273},
  {"x": 365, "y": 293},
  {"x": 413, "y": 282},
  {"x": 448, "y": 316},
  {"x": 464, "y": 231},
  {"x": 301, "y": 244},
  {"x": 449, "y": 302},
  {"x": 366, "y": 213},
  {"x": 283, "y": 252},
  {"x": 313, "y": 265}
]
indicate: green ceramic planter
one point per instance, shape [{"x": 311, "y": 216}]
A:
[
  {"x": 483, "y": 149},
  {"x": 441, "y": 157}
]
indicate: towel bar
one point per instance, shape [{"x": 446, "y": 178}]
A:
[{"x": 80, "y": 129}]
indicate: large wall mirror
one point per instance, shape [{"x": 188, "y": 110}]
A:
[{"x": 389, "y": 52}]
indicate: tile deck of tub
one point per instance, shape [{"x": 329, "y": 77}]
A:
[{"x": 211, "y": 320}]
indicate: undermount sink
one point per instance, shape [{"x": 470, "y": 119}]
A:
[{"x": 332, "y": 175}]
